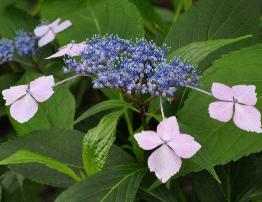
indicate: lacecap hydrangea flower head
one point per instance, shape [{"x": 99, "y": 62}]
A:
[{"x": 135, "y": 67}]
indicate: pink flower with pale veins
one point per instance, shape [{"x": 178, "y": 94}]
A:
[
  {"x": 70, "y": 50},
  {"x": 238, "y": 103},
  {"x": 24, "y": 99},
  {"x": 47, "y": 33},
  {"x": 166, "y": 160}
]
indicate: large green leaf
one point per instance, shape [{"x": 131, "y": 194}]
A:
[
  {"x": 225, "y": 142},
  {"x": 13, "y": 19},
  {"x": 62, "y": 145},
  {"x": 195, "y": 52},
  {"x": 106, "y": 16},
  {"x": 103, "y": 106},
  {"x": 116, "y": 184},
  {"x": 57, "y": 112},
  {"x": 210, "y": 19},
  {"x": 241, "y": 182},
  {"x": 98, "y": 141},
  {"x": 25, "y": 156}
]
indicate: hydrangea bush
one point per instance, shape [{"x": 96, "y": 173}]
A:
[{"x": 132, "y": 107}]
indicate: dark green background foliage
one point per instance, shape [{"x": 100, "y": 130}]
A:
[{"x": 89, "y": 133}]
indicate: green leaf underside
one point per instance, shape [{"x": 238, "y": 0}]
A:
[
  {"x": 225, "y": 142},
  {"x": 197, "y": 51},
  {"x": 98, "y": 141},
  {"x": 209, "y": 20},
  {"x": 25, "y": 156},
  {"x": 116, "y": 184},
  {"x": 103, "y": 106}
]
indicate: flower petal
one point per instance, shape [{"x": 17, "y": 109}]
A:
[
  {"x": 41, "y": 30},
  {"x": 245, "y": 94},
  {"x": 62, "y": 51},
  {"x": 24, "y": 109},
  {"x": 222, "y": 111},
  {"x": 222, "y": 92},
  {"x": 168, "y": 128},
  {"x": 247, "y": 118},
  {"x": 46, "y": 39},
  {"x": 42, "y": 88},
  {"x": 148, "y": 140},
  {"x": 14, "y": 93},
  {"x": 62, "y": 26},
  {"x": 184, "y": 145},
  {"x": 164, "y": 162}
]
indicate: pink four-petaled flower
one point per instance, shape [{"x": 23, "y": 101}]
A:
[
  {"x": 237, "y": 103},
  {"x": 166, "y": 161},
  {"x": 24, "y": 98}
]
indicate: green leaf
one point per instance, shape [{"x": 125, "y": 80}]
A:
[
  {"x": 225, "y": 142},
  {"x": 116, "y": 184},
  {"x": 57, "y": 112},
  {"x": 13, "y": 19},
  {"x": 25, "y": 156},
  {"x": 103, "y": 106},
  {"x": 106, "y": 16},
  {"x": 62, "y": 145},
  {"x": 210, "y": 19},
  {"x": 241, "y": 181},
  {"x": 98, "y": 141},
  {"x": 195, "y": 52},
  {"x": 159, "y": 194}
]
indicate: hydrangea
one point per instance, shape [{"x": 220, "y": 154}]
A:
[
  {"x": 25, "y": 43},
  {"x": 138, "y": 66},
  {"x": 6, "y": 50}
]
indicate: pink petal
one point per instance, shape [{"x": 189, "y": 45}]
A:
[
  {"x": 222, "y": 111},
  {"x": 62, "y": 26},
  {"x": 148, "y": 140},
  {"x": 222, "y": 92},
  {"x": 247, "y": 118},
  {"x": 14, "y": 93},
  {"x": 184, "y": 145},
  {"x": 46, "y": 39},
  {"x": 24, "y": 109},
  {"x": 77, "y": 49},
  {"x": 245, "y": 94},
  {"x": 168, "y": 128},
  {"x": 164, "y": 162},
  {"x": 62, "y": 51},
  {"x": 42, "y": 88},
  {"x": 41, "y": 30}
]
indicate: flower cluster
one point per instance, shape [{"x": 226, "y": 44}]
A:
[
  {"x": 6, "y": 50},
  {"x": 138, "y": 66},
  {"x": 25, "y": 43}
]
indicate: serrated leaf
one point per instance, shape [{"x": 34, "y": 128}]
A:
[
  {"x": 116, "y": 184},
  {"x": 103, "y": 106},
  {"x": 209, "y": 19},
  {"x": 108, "y": 16},
  {"x": 225, "y": 142},
  {"x": 62, "y": 145},
  {"x": 195, "y": 52},
  {"x": 25, "y": 156},
  {"x": 98, "y": 141}
]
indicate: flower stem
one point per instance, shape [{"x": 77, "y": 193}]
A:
[
  {"x": 199, "y": 90},
  {"x": 68, "y": 79},
  {"x": 161, "y": 107}
]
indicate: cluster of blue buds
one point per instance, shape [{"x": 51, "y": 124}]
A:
[
  {"x": 24, "y": 44},
  {"x": 138, "y": 66},
  {"x": 6, "y": 50}
]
